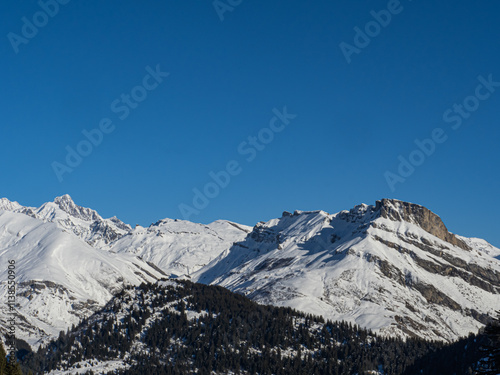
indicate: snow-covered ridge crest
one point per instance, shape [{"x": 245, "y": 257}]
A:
[
  {"x": 399, "y": 211},
  {"x": 180, "y": 247}
]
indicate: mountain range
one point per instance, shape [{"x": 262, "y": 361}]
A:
[{"x": 392, "y": 267}]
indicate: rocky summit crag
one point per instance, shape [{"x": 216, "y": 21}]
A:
[{"x": 421, "y": 216}]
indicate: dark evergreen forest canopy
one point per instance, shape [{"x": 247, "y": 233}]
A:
[{"x": 185, "y": 328}]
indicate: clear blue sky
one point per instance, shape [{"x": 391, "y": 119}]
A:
[{"x": 353, "y": 119}]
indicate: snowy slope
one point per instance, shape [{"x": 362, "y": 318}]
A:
[
  {"x": 181, "y": 247},
  {"x": 377, "y": 266},
  {"x": 61, "y": 279}
]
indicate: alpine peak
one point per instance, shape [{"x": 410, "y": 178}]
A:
[{"x": 67, "y": 204}]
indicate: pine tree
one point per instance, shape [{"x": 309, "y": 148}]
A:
[
  {"x": 6, "y": 366},
  {"x": 13, "y": 369},
  {"x": 3, "y": 359}
]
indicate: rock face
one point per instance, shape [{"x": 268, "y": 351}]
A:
[{"x": 413, "y": 213}]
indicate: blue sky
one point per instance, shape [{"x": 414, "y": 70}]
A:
[{"x": 355, "y": 121}]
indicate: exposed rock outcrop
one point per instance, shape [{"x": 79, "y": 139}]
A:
[{"x": 395, "y": 210}]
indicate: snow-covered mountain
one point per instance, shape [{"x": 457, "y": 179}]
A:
[{"x": 392, "y": 267}]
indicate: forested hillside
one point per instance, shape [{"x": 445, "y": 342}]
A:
[{"x": 179, "y": 327}]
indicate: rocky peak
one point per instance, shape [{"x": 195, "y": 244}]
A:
[
  {"x": 66, "y": 204},
  {"x": 396, "y": 210},
  {"x": 64, "y": 201}
]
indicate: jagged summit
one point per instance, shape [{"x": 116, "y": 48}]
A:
[
  {"x": 66, "y": 198},
  {"x": 67, "y": 204}
]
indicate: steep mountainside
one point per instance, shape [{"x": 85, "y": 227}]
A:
[{"x": 392, "y": 267}]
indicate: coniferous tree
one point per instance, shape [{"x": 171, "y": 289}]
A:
[
  {"x": 8, "y": 366},
  {"x": 490, "y": 363},
  {"x": 3, "y": 359}
]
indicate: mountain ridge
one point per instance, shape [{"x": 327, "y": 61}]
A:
[
  {"x": 322, "y": 263},
  {"x": 392, "y": 267}
]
